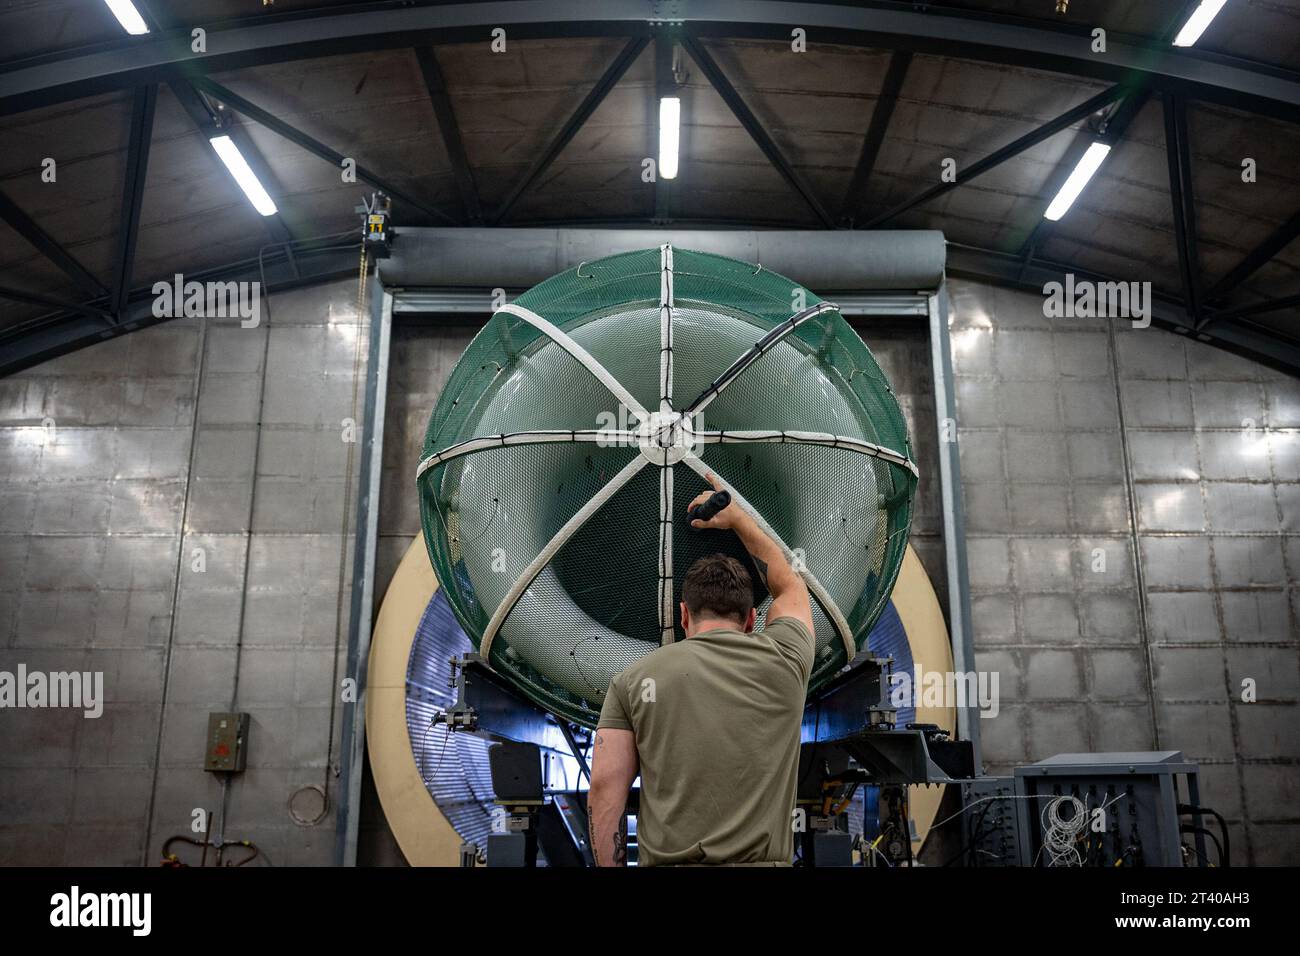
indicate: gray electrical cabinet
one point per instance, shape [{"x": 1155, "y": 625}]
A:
[{"x": 1138, "y": 794}]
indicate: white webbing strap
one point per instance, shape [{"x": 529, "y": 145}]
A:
[
  {"x": 761, "y": 347},
  {"x": 666, "y": 631},
  {"x": 818, "y": 591},
  {"x": 588, "y": 361},
  {"x": 564, "y": 534},
  {"x": 665, "y": 328},
  {"x": 826, "y": 439},
  {"x": 601, "y": 436}
]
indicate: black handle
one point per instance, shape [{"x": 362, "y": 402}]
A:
[{"x": 707, "y": 509}]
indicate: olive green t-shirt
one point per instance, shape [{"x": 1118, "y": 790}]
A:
[{"x": 716, "y": 719}]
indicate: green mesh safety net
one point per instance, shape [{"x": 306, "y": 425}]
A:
[{"x": 578, "y": 425}]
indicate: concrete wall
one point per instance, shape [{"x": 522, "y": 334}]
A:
[
  {"x": 1079, "y": 439},
  {"x": 1074, "y": 437},
  {"x": 197, "y": 434}
]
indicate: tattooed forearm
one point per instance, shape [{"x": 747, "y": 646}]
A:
[
  {"x": 620, "y": 843},
  {"x": 591, "y": 835}
]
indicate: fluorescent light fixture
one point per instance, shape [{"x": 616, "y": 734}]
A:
[
  {"x": 1198, "y": 21},
  {"x": 128, "y": 16},
  {"x": 670, "y": 129},
  {"x": 238, "y": 166},
  {"x": 1088, "y": 165}
]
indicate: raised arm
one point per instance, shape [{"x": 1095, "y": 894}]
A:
[{"x": 789, "y": 593}]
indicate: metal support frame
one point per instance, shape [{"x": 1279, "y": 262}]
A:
[
  {"x": 613, "y": 73},
  {"x": 1000, "y": 156},
  {"x": 1241, "y": 337},
  {"x": 209, "y": 123},
  {"x": 754, "y": 128},
  {"x": 23, "y": 224},
  {"x": 314, "y": 146},
  {"x": 1259, "y": 308},
  {"x": 361, "y": 605},
  {"x": 1278, "y": 240},
  {"x": 436, "y": 85},
  {"x": 137, "y": 168},
  {"x": 1178, "y": 154},
  {"x": 855, "y": 199},
  {"x": 58, "y": 77},
  {"x": 954, "y": 515},
  {"x": 1143, "y": 65},
  {"x": 1110, "y": 131},
  {"x": 32, "y": 298},
  {"x": 47, "y": 337}
]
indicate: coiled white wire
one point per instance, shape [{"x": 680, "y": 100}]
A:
[{"x": 1061, "y": 835}]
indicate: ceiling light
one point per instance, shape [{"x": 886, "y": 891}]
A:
[
  {"x": 239, "y": 168},
  {"x": 128, "y": 16},
  {"x": 1078, "y": 179},
  {"x": 670, "y": 122},
  {"x": 1198, "y": 21}
]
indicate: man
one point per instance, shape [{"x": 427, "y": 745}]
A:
[{"x": 710, "y": 723}]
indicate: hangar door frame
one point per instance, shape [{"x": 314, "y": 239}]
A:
[{"x": 443, "y": 271}]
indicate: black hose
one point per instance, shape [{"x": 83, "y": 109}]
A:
[
  {"x": 1225, "y": 854},
  {"x": 1204, "y": 832}
]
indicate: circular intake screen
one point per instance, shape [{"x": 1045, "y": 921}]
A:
[{"x": 580, "y": 422}]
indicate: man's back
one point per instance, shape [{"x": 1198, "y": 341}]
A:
[{"x": 716, "y": 719}]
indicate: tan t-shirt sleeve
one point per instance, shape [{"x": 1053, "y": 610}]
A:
[
  {"x": 794, "y": 641},
  {"x": 613, "y": 713}
]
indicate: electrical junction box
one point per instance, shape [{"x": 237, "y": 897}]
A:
[
  {"x": 227, "y": 747},
  {"x": 991, "y": 822}
]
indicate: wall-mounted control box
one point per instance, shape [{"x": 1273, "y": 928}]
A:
[{"x": 227, "y": 747}]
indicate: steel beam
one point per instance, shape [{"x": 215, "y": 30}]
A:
[
  {"x": 436, "y": 85},
  {"x": 1000, "y": 156},
  {"x": 961, "y": 634},
  {"x": 137, "y": 169},
  {"x": 1259, "y": 308},
  {"x": 362, "y": 602},
  {"x": 1247, "y": 267},
  {"x": 211, "y": 123},
  {"x": 1254, "y": 342},
  {"x": 750, "y": 122},
  {"x": 23, "y": 224},
  {"x": 1111, "y": 131},
  {"x": 1178, "y": 156},
  {"x": 593, "y": 99},
  {"x": 855, "y": 198},
  {"x": 314, "y": 146},
  {"x": 49, "y": 336},
  {"x": 32, "y": 298},
  {"x": 1242, "y": 84}
]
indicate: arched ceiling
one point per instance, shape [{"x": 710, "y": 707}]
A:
[{"x": 850, "y": 134}]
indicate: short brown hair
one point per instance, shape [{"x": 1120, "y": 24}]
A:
[{"x": 718, "y": 586}]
